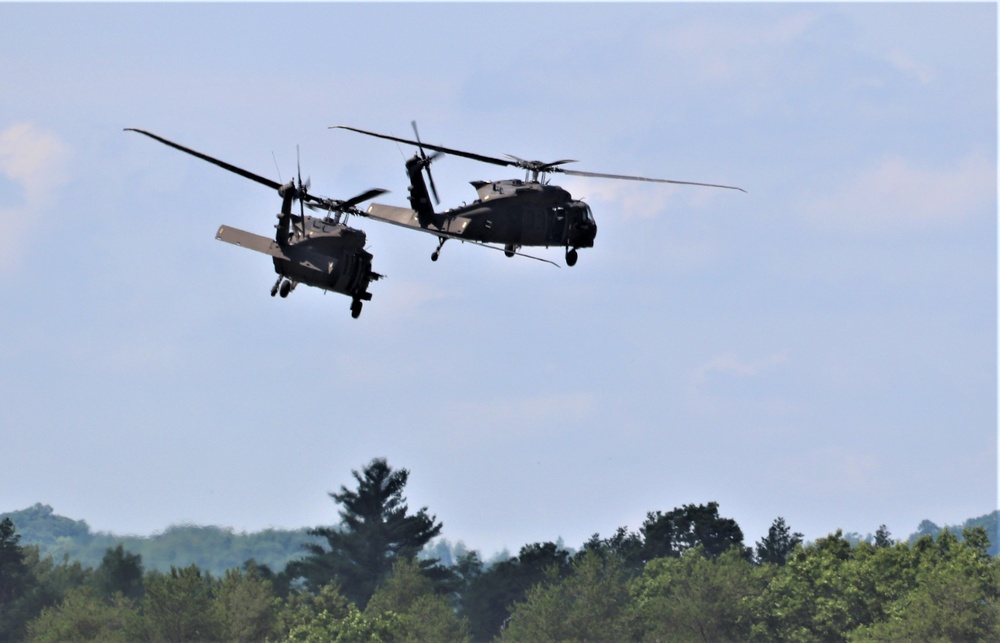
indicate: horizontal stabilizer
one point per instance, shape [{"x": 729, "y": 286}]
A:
[
  {"x": 245, "y": 239},
  {"x": 393, "y": 214},
  {"x": 298, "y": 255}
]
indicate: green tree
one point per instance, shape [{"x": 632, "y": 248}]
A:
[
  {"x": 953, "y": 593},
  {"x": 882, "y": 537},
  {"x": 778, "y": 544},
  {"x": 178, "y": 607},
  {"x": 423, "y": 614},
  {"x": 121, "y": 572},
  {"x": 671, "y": 533},
  {"x": 809, "y": 599},
  {"x": 245, "y": 605},
  {"x": 83, "y": 615},
  {"x": 374, "y": 532},
  {"x": 627, "y": 546},
  {"x": 487, "y": 601},
  {"x": 354, "y": 627},
  {"x": 695, "y": 597},
  {"x": 299, "y": 611},
  {"x": 588, "y": 604},
  {"x": 16, "y": 584}
]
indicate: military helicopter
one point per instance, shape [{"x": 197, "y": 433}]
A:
[
  {"x": 320, "y": 252},
  {"x": 511, "y": 212}
]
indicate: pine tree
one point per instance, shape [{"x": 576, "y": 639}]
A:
[{"x": 375, "y": 531}]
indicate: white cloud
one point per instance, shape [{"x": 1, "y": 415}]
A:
[
  {"x": 519, "y": 417},
  {"x": 732, "y": 365},
  {"x": 904, "y": 63},
  {"x": 34, "y": 159},
  {"x": 895, "y": 194},
  {"x": 729, "y": 50}
]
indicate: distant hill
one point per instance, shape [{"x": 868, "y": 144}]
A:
[
  {"x": 214, "y": 549},
  {"x": 990, "y": 522}
]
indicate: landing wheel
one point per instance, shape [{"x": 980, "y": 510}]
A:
[
  {"x": 437, "y": 251},
  {"x": 356, "y": 308},
  {"x": 286, "y": 287},
  {"x": 508, "y": 250},
  {"x": 571, "y": 257}
]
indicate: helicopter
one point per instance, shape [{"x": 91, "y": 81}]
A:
[
  {"x": 512, "y": 212},
  {"x": 321, "y": 252}
]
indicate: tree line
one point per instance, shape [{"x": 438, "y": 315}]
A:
[{"x": 686, "y": 574}]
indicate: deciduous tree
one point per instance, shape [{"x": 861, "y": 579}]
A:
[
  {"x": 487, "y": 601},
  {"x": 670, "y": 534},
  {"x": 178, "y": 607},
  {"x": 587, "y": 605}
]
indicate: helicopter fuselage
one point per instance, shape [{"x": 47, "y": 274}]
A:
[
  {"x": 511, "y": 213},
  {"x": 514, "y": 212},
  {"x": 317, "y": 252}
]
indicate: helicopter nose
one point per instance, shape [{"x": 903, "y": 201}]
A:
[{"x": 586, "y": 231}]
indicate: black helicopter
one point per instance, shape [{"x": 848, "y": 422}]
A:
[
  {"x": 320, "y": 252},
  {"x": 511, "y": 212}
]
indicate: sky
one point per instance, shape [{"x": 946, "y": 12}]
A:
[{"x": 821, "y": 348}]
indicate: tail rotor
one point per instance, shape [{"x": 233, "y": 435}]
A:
[{"x": 427, "y": 160}]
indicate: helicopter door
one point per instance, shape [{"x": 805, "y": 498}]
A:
[{"x": 533, "y": 225}]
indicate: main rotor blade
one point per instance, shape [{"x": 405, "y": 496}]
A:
[
  {"x": 335, "y": 205},
  {"x": 214, "y": 161},
  {"x": 537, "y": 165},
  {"x": 640, "y": 178},
  {"x": 529, "y": 165},
  {"x": 364, "y": 196},
  {"x": 438, "y": 148}
]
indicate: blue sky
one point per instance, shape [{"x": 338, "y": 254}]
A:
[{"x": 821, "y": 348}]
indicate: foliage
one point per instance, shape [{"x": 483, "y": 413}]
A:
[
  {"x": 39, "y": 525},
  {"x": 695, "y": 597},
  {"x": 423, "y": 614},
  {"x": 83, "y": 615},
  {"x": 212, "y": 549},
  {"x": 375, "y": 531},
  {"x": 244, "y": 605},
  {"x": 587, "y": 604},
  {"x": 954, "y": 593},
  {"x": 672, "y": 533},
  {"x": 490, "y": 595},
  {"x": 685, "y": 575},
  {"x": 990, "y": 523},
  {"x": 778, "y": 544},
  {"x": 120, "y": 572},
  {"x": 832, "y": 591},
  {"x": 355, "y": 626},
  {"x": 177, "y": 607},
  {"x": 300, "y": 610},
  {"x": 16, "y": 583},
  {"x": 627, "y": 546}
]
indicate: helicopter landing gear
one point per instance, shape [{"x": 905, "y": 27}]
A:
[
  {"x": 356, "y": 308},
  {"x": 274, "y": 288},
  {"x": 287, "y": 286},
  {"x": 437, "y": 253},
  {"x": 510, "y": 250},
  {"x": 571, "y": 257}
]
